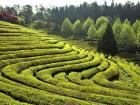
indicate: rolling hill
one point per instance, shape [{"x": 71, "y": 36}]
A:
[{"x": 38, "y": 69}]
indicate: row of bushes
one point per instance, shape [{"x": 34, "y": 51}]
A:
[
  {"x": 36, "y": 97},
  {"x": 66, "y": 49},
  {"x": 11, "y": 102},
  {"x": 25, "y": 81},
  {"x": 33, "y": 83},
  {"x": 130, "y": 70},
  {"x": 14, "y": 60},
  {"x": 59, "y": 45},
  {"x": 91, "y": 72},
  {"x": 58, "y": 59},
  {"x": 47, "y": 78},
  {"x": 103, "y": 79}
]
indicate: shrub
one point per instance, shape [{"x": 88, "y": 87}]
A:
[{"x": 39, "y": 25}]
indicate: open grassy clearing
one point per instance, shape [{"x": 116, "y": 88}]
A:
[{"x": 36, "y": 69}]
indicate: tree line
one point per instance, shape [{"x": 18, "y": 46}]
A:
[
  {"x": 126, "y": 35},
  {"x": 128, "y": 10},
  {"x": 55, "y": 16}
]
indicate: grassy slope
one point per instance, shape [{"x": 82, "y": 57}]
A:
[{"x": 45, "y": 70}]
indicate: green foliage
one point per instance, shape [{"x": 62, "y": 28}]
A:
[
  {"x": 101, "y": 25},
  {"x": 66, "y": 27},
  {"x": 126, "y": 21},
  {"x": 39, "y": 69},
  {"x": 41, "y": 13},
  {"x": 101, "y": 31},
  {"x": 27, "y": 12},
  {"x": 136, "y": 26},
  {"x": 39, "y": 25},
  {"x": 55, "y": 28},
  {"x": 128, "y": 37},
  {"x": 138, "y": 38},
  {"x": 87, "y": 25},
  {"x": 101, "y": 21},
  {"x": 92, "y": 32},
  {"x": 117, "y": 29},
  {"x": 77, "y": 28},
  {"x": 108, "y": 43}
]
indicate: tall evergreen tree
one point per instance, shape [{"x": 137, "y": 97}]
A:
[{"x": 108, "y": 44}]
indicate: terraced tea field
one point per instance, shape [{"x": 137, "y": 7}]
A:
[{"x": 36, "y": 69}]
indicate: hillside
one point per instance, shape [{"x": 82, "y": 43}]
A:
[{"x": 36, "y": 69}]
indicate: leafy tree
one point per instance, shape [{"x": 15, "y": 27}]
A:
[
  {"x": 17, "y": 9},
  {"x": 66, "y": 27},
  {"x": 108, "y": 44},
  {"x": 138, "y": 39},
  {"x": 27, "y": 12},
  {"x": 101, "y": 21},
  {"x": 77, "y": 28},
  {"x": 118, "y": 20},
  {"x": 136, "y": 26},
  {"x": 127, "y": 22},
  {"x": 101, "y": 31},
  {"x": 92, "y": 32},
  {"x": 87, "y": 24},
  {"x": 40, "y": 13},
  {"x": 117, "y": 29},
  {"x": 128, "y": 36},
  {"x": 101, "y": 25}
]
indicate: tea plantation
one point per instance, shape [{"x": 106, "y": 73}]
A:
[{"x": 38, "y": 69}]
